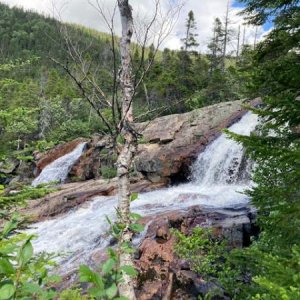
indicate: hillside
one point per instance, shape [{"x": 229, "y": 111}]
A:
[{"x": 40, "y": 104}]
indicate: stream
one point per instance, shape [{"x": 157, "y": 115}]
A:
[{"x": 218, "y": 177}]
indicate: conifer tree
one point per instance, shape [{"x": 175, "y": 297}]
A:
[
  {"x": 216, "y": 45},
  {"x": 275, "y": 148},
  {"x": 189, "y": 41}
]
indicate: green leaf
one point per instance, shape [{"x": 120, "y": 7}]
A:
[
  {"x": 112, "y": 253},
  {"x": 108, "y": 220},
  {"x": 136, "y": 227},
  {"x": 7, "y": 290},
  {"x": 112, "y": 291},
  {"x": 31, "y": 288},
  {"x": 87, "y": 275},
  {"x": 133, "y": 196},
  {"x": 6, "y": 267},
  {"x": 108, "y": 266},
  {"x": 97, "y": 293},
  {"x": 26, "y": 252},
  {"x": 135, "y": 216},
  {"x": 127, "y": 248},
  {"x": 129, "y": 270},
  {"x": 9, "y": 226}
]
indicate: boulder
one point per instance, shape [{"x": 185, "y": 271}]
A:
[
  {"x": 162, "y": 275},
  {"x": 173, "y": 142}
]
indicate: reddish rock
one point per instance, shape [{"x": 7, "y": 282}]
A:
[
  {"x": 162, "y": 275},
  {"x": 53, "y": 154},
  {"x": 87, "y": 167},
  {"x": 162, "y": 234}
]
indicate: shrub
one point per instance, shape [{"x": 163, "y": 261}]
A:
[{"x": 108, "y": 172}]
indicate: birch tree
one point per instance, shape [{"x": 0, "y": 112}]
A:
[
  {"x": 120, "y": 100},
  {"x": 126, "y": 288}
]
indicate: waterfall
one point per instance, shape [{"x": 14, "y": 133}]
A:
[
  {"x": 222, "y": 161},
  {"x": 214, "y": 184},
  {"x": 58, "y": 170}
]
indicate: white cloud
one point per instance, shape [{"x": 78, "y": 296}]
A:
[{"x": 205, "y": 11}]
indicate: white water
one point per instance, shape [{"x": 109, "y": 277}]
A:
[
  {"x": 82, "y": 231},
  {"x": 58, "y": 170}
]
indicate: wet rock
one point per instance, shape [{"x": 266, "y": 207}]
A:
[
  {"x": 173, "y": 142},
  {"x": 157, "y": 262},
  {"x": 53, "y": 154},
  {"x": 72, "y": 195},
  {"x": 162, "y": 234},
  {"x": 87, "y": 167}
]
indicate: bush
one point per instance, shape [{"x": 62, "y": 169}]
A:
[
  {"x": 108, "y": 172},
  {"x": 23, "y": 275}
]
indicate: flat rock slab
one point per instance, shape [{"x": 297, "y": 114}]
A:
[{"x": 71, "y": 195}]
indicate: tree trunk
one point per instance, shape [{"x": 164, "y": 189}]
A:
[
  {"x": 126, "y": 287},
  {"x": 146, "y": 95},
  {"x": 238, "y": 43},
  {"x": 225, "y": 37}
]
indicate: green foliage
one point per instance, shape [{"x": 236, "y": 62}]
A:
[
  {"x": 17, "y": 124},
  {"x": 202, "y": 249},
  {"x": 210, "y": 256},
  {"x": 37, "y": 100},
  {"x": 279, "y": 276},
  {"x": 23, "y": 275},
  {"x": 44, "y": 145},
  {"x": 72, "y": 294},
  {"x": 104, "y": 281},
  {"x": 19, "y": 197},
  {"x": 108, "y": 172},
  {"x": 133, "y": 196}
]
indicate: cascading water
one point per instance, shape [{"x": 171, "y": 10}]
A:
[
  {"x": 222, "y": 160},
  {"x": 214, "y": 184},
  {"x": 58, "y": 170}
]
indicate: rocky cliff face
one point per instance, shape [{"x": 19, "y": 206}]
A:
[
  {"x": 168, "y": 147},
  {"x": 173, "y": 142}
]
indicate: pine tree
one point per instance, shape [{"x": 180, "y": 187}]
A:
[
  {"x": 275, "y": 257},
  {"x": 216, "y": 46},
  {"x": 189, "y": 41}
]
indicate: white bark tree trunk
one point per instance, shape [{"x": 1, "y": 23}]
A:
[{"x": 126, "y": 287}]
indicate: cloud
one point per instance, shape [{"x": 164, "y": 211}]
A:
[{"x": 205, "y": 11}]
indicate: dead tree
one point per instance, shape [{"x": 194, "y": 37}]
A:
[
  {"x": 226, "y": 35},
  {"x": 238, "y": 42}
]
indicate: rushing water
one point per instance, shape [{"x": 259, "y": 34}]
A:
[
  {"x": 58, "y": 170},
  {"x": 215, "y": 183}
]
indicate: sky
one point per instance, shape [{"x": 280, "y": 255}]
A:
[{"x": 205, "y": 11}]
